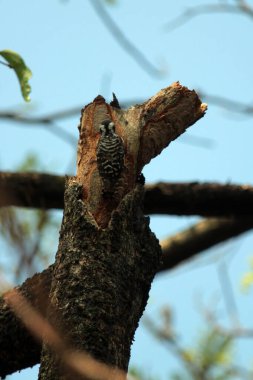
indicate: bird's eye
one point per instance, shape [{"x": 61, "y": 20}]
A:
[{"x": 111, "y": 126}]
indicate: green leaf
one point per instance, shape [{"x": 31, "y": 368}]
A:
[{"x": 22, "y": 71}]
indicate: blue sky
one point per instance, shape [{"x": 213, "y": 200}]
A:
[{"x": 74, "y": 58}]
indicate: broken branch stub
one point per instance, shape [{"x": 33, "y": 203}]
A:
[
  {"x": 165, "y": 117},
  {"x": 146, "y": 130}
]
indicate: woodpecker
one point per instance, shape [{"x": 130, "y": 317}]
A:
[{"x": 110, "y": 156}]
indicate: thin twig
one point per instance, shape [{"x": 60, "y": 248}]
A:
[
  {"x": 123, "y": 41},
  {"x": 64, "y": 135},
  {"x": 228, "y": 294},
  {"x": 45, "y": 122},
  {"x": 197, "y": 141},
  {"x": 238, "y": 332},
  {"x": 192, "y": 12},
  {"x": 220, "y": 101},
  {"x": 231, "y": 105},
  {"x": 5, "y": 64},
  {"x": 175, "y": 348}
]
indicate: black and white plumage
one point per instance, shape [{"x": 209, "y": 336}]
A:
[{"x": 110, "y": 155}]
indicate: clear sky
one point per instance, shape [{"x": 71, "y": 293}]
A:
[{"x": 74, "y": 58}]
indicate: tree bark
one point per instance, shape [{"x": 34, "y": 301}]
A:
[
  {"x": 107, "y": 256},
  {"x": 101, "y": 282},
  {"x": 19, "y": 349}
]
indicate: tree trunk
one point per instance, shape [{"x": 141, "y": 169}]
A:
[
  {"x": 101, "y": 283},
  {"x": 107, "y": 255}
]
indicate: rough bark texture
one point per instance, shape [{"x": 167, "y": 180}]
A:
[
  {"x": 101, "y": 281},
  {"x": 107, "y": 256},
  {"x": 176, "y": 249}
]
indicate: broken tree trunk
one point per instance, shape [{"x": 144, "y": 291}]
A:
[
  {"x": 107, "y": 256},
  {"x": 100, "y": 283}
]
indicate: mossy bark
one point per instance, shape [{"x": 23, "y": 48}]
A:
[{"x": 101, "y": 282}]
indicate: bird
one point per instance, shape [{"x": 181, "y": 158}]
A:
[{"x": 110, "y": 156}]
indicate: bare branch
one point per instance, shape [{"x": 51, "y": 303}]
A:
[
  {"x": 197, "y": 141},
  {"x": 44, "y": 119},
  {"x": 230, "y": 105},
  {"x": 31, "y": 190},
  {"x": 17, "y": 117},
  {"x": 207, "y": 199},
  {"x": 39, "y": 190},
  {"x": 46, "y": 122},
  {"x": 203, "y": 235},
  {"x": 192, "y": 12},
  {"x": 228, "y": 293},
  {"x": 123, "y": 41},
  {"x": 245, "y": 7}
]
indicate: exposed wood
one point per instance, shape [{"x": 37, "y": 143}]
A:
[
  {"x": 165, "y": 117},
  {"x": 146, "y": 130}
]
